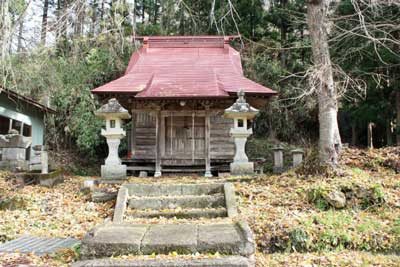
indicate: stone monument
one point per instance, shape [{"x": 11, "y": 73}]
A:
[
  {"x": 113, "y": 113},
  {"x": 241, "y": 112},
  {"x": 278, "y": 159},
  {"x": 297, "y": 157},
  {"x": 14, "y": 151}
]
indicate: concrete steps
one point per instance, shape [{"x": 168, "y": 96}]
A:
[
  {"x": 136, "y": 239},
  {"x": 149, "y": 190},
  {"x": 173, "y": 202},
  {"x": 180, "y": 201},
  {"x": 179, "y": 214}
]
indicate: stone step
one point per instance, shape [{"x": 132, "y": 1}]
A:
[
  {"x": 173, "y": 202},
  {"x": 179, "y": 214},
  {"x": 149, "y": 190},
  {"x": 228, "y": 261},
  {"x": 123, "y": 239}
]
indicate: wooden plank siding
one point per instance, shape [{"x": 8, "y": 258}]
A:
[
  {"x": 181, "y": 142},
  {"x": 222, "y": 145},
  {"x": 145, "y": 135}
]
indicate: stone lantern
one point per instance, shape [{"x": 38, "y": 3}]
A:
[
  {"x": 113, "y": 113},
  {"x": 241, "y": 112}
]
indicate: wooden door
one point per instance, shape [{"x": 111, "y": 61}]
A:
[{"x": 184, "y": 137}]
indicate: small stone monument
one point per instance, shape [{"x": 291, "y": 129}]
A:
[
  {"x": 113, "y": 113},
  {"x": 44, "y": 160},
  {"x": 278, "y": 159},
  {"x": 35, "y": 162},
  {"x": 241, "y": 112},
  {"x": 297, "y": 157}
]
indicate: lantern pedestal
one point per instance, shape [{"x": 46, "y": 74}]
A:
[
  {"x": 113, "y": 169},
  {"x": 241, "y": 164}
]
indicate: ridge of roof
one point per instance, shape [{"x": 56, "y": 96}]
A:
[{"x": 186, "y": 40}]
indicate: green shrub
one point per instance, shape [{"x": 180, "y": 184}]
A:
[
  {"x": 316, "y": 196},
  {"x": 299, "y": 240}
]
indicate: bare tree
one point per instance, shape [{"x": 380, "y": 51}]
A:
[
  {"x": 43, "y": 31},
  {"x": 329, "y": 137},
  {"x": 5, "y": 29}
]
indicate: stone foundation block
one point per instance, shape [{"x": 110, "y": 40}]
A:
[
  {"x": 14, "y": 165},
  {"x": 115, "y": 172},
  {"x": 14, "y": 153},
  {"x": 242, "y": 168}
]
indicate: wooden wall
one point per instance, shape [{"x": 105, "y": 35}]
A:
[
  {"x": 221, "y": 144},
  {"x": 144, "y": 139},
  {"x": 144, "y": 143}
]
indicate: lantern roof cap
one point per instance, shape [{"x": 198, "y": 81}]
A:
[
  {"x": 241, "y": 108},
  {"x": 112, "y": 108}
]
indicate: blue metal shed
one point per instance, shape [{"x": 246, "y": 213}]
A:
[{"x": 22, "y": 114}]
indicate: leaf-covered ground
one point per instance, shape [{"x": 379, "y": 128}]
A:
[{"x": 291, "y": 228}]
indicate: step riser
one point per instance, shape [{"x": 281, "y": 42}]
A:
[
  {"x": 201, "y": 202},
  {"x": 149, "y": 190},
  {"x": 232, "y": 261},
  {"x": 180, "y": 215}
]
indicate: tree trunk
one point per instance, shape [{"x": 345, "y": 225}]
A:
[
  {"x": 20, "y": 33},
  {"x": 371, "y": 125},
  {"x": 398, "y": 118},
  {"x": 94, "y": 18},
  {"x": 43, "y": 31},
  {"x": 59, "y": 23},
  {"x": 80, "y": 16},
  {"x": 64, "y": 27},
  {"x": 102, "y": 12},
  {"x": 354, "y": 134},
  {"x": 283, "y": 35},
  {"x": 143, "y": 11},
  {"x": 5, "y": 30},
  {"x": 389, "y": 133},
  {"x": 134, "y": 18},
  {"x": 329, "y": 136}
]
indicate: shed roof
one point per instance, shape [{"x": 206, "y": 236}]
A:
[
  {"x": 14, "y": 95},
  {"x": 184, "y": 67}
]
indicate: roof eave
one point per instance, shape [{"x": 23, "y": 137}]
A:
[{"x": 28, "y": 100}]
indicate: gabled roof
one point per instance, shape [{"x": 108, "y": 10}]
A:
[
  {"x": 17, "y": 97},
  {"x": 184, "y": 67}
]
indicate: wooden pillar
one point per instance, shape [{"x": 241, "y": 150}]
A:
[
  {"x": 207, "y": 143},
  {"x": 157, "y": 173},
  {"x": 133, "y": 135}
]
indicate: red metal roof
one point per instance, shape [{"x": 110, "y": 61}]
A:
[{"x": 184, "y": 67}]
